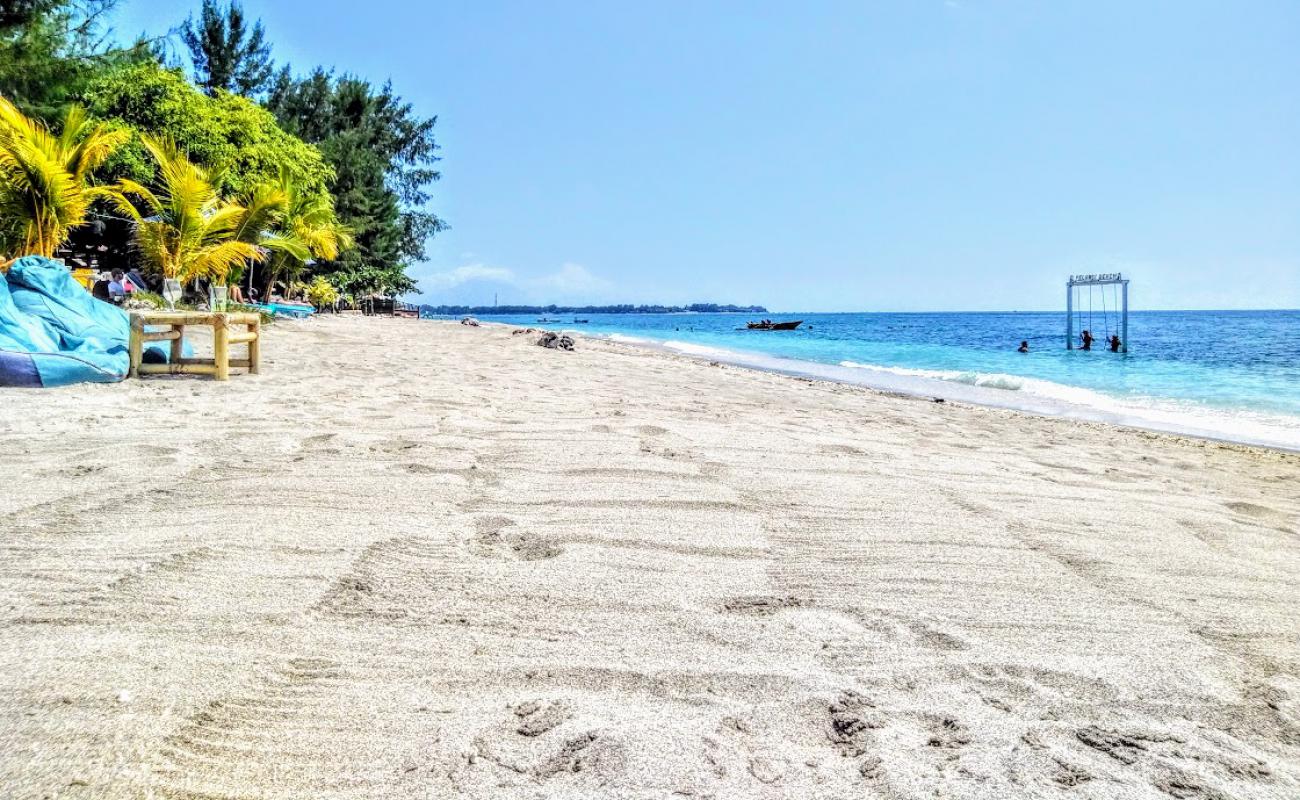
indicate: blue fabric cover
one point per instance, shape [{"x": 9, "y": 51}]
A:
[{"x": 53, "y": 332}]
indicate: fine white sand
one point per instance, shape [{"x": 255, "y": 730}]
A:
[{"x": 420, "y": 560}]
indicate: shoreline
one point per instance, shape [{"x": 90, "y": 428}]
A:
[
  {"x": 435, "y": 561},
  {"x": 889, "y": 381}
]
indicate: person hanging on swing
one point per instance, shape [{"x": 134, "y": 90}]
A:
[
  {"x": 1115, "y": 343},
  {"x": 1087, "y": 339}
]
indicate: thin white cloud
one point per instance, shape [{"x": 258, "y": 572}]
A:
[
  {"x": 570, "y": 283},
  {"x": 470, "y": 272},
  {"x": 574, "y": 279}
]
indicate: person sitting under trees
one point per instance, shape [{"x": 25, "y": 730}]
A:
[{"x": 117, "y": 287}]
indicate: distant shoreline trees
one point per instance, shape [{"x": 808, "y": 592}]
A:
[{"x": 695, "y": 308}]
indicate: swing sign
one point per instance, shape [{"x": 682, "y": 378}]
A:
[{"x": 1105, "y": 277}]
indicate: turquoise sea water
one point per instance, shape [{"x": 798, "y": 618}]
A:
[{"x": 1228, "y": 374}]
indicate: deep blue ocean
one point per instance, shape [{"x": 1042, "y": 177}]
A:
[{"x": 1228, "y": 374}]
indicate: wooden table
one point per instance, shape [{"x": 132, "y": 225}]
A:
[{"x": 174, "y": 323}]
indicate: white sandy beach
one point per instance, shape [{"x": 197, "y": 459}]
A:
[{"x": 420, "y": 560}]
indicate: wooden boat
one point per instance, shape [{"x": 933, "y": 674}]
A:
[{"x": 774, "y": 326}]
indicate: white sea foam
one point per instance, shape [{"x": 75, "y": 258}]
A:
[
  {"x": 1000, "y": 380},
  {"x": 618, "y": 337},
  {"x": 1018, "y": 392},
  {"x": 701, "y": 350}
]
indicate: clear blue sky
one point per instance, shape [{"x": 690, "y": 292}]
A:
[{"x": 849, "y": 155}]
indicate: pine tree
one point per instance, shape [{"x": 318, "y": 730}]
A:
[{"x": 226, "y": 52}]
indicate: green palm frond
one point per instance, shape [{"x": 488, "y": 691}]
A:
[
  {"x": 44, "y": 189},
  {"x": 263, "y": 207},
  {"x": 116, "y": 199},
  {"x": 216, "y": 261},
  {"x": 129, "y": 188},
  {"x": 288, "y": 246},
  {"x": 95, "y": 147},
  {"x": 191, "y": 232},
  {"x": 308, "y": 229}
]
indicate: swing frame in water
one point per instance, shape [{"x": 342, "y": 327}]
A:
[{"x": 1103, "y": 280}]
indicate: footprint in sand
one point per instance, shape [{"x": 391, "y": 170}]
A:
[
  {"x": 841, "y": 450},
  {"x": 419, "y": 469},
  {"x": 948, "y": 734},
  {"x": 763, "y": 605},
  {"x": 1254, "y": 510},
  {"x": 894, "y": 627},
  {"x": 537, "y": 717},
  {"x": 936, "y": 639},
  {"x": 314, "y": 442},
  {"x": 1069, "y": 775},
  {"x": 851, "y": 719},
  {"x": 499, "y": 537},
  {"x": 393, "y": 446}
]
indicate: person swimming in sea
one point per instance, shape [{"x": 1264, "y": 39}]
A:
[
  {"x": 1023, "y": 348},
  {"x": 1115, "y": 343},
  {"x": 1087, "y": 340}
]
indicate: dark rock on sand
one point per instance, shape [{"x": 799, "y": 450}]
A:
[{"x": 556, "y": 341}]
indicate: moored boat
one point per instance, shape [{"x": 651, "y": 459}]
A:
[{"x": 769, "y": 325}]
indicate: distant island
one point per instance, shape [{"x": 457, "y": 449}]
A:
[{"x": 698, "y": 308}]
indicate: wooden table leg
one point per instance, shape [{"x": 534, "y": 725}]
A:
[
  {"x": 255, "y": 347},
  {"x": 221, "y": 347},
  {"x": 176, "y": 353},
  {"x": 137, "y": 346}
]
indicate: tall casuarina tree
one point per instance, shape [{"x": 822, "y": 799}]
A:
[{"x": 226, "y": 51}]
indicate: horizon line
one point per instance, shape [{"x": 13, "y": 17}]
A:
[{"x": 768, "y": 310}]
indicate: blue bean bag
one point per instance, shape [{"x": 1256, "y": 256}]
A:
[{"x": 53, "y": 332}]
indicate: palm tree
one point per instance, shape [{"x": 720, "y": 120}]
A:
[
  {"x": 185, "y": 230},
  {"x": 309, "y": 223},
  {"x": 44, "y": 178}
]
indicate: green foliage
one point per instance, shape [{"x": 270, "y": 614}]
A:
[
  {"x": 383, "y": 156},
  {"x": 183, "y": 228},
  {"x": 226, "y": 53},
  {"x": 236, "y": 139},
  {"x": 49, "y": 50},
  {"x": 45, "y": 177},
  {"x": 307, "y": 228},
  {"x": 151, "y": 299},
  {"x": 322, "y": 293},
  {"x": 365, "y": 183}
]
